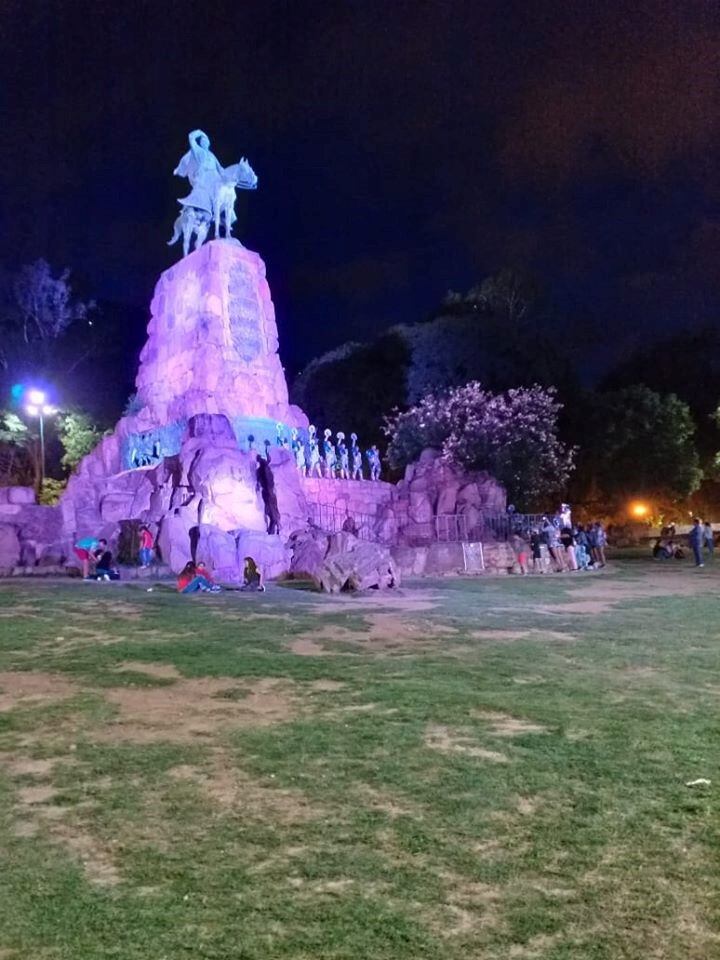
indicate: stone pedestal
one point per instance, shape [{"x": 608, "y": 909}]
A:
[{"x": 213, "y": 343}]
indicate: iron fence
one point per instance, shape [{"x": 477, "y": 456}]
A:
[
  {"x": 332, "y": 519},
  {"x": 456, "y": 527}
]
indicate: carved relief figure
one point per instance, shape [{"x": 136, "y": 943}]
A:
[
  {"x": 343, "y": 457},
  {"x": 356, "y": 454},
  {"x": 329, "y": 455}
]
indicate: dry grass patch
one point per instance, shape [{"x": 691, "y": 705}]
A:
[
  {"x": 412, "y": 601},
  {"x": 232, "y": 789},
  {"x": 385, "y": 632},
  {"x": 24, "y": 688},
  {"x": 383, "y": 801},
  {"x": 469, "y": 907},
  {"x": 503, "y": 725},
  {"x": 26, "y": 767},
  {"x": 36, "y": 814},
  {"x": 192, "y": 708},
  {"x": 163, "y": 671},
  {"x": 447, "y": 740}
]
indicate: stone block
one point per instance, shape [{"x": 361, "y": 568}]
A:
[
  {"x": 173, "y": 541},
  {"x": 447, "y": 498},
  {"x": 410, "y": 561},
  {"x": 271, "y": 554},
  {"x": 9, "y": 548},
  {"x": 445, "y": 558},
  {"x": 217, "y": 549},
  {"x": 20, "y": 495}
]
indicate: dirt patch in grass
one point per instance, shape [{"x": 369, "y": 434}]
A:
[
  {"x": 106, "y": 606},
  {"x": 383, "y": 801},
  {"x": 411, "y": 601},
  {"x": 26, "y": 767},
  {"x": 469, "y": 907},
  {"x": 37, "y": 794},
  {"x": 327, "y": 686},
  {"x": 511, "y": 636},
  {"x": 385, "y": 632},
  {"x": 232, "y": 789},
  {"x": 604, "y": 594},
  {"x": 307, "y": 646},
  {"x": 76, "y": 637},
  {"x": 23, "y": 688},
  {"x": 163, "y": 671},
  {"x": 95, "y": 858},
  {"x": 194, "y": 708},
  {"x": 35, "y": 812},
  {"x": 20, "y": 611},
  {"x": 448, "y": 740},
  {"x": 503, "y": 725},
  {"x": 535, "y": 949}
]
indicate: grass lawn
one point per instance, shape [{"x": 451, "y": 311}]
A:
[{"x": 464, "y": 770}]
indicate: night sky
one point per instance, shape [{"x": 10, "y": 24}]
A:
[{"x": 403, "y": 148}]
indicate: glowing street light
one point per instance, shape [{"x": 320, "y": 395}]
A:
[
  {"x": 36, "y": 407},
  {"x": 639, "y": 509}
]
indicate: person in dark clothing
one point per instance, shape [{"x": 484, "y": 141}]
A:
[
  {"x": 708, "y": 538},
  {"x": 252, "y": 576},
  {"x": 104, "y": 567},
  {"x": 696, "y": 541},
  {"x": 536, "y": 542},
  {"x": 266, "y": 485}
]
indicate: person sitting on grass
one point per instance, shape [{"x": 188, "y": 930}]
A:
[
  {"x": 104, "y": 568},
  {"x": 252, "y": 576},
  {"x": 202, "y": 570},
  {"x": 192, "y": 580},
  {"x": 84, "y": 550}
]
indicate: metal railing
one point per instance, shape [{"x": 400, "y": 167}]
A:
[
  {"x": 456, "y": 528},
  {"x": 445, "y": 527},
  {"x": 332, "y": 519}
]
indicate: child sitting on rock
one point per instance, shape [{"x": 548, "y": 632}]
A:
[{"x": 252, "y": 576}]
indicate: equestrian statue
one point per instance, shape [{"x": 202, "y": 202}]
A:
[{"x": 212, "y": 198}]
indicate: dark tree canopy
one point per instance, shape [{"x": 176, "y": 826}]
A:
[
  {"x": 353, "y": 387},
  {"x": 640, "y": 443}
]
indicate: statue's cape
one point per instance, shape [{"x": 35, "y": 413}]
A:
[{"x": 187, "y": 166}]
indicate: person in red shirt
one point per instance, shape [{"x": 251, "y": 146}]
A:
[
  {"x": 194, "y": 578},
  {"x": 146, "y": 547}
]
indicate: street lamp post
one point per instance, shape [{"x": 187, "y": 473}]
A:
[{"x": 36, "y": 407}]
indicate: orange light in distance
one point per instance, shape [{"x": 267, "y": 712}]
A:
[{"x": 639, "y": 510}]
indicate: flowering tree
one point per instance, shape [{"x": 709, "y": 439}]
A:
[{"x": 512, "y": 435}]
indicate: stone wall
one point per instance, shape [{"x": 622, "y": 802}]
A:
[{"x": 30, "y": 535}]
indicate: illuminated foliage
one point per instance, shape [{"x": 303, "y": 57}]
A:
[{"x": 513, "y": 435}]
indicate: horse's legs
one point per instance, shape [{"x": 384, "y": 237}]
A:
[{"x": 186, "y": 239}]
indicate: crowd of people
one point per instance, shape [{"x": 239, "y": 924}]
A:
[{"x": 554, "y": 547}]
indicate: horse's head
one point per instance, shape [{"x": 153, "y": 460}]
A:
[{"x": 243, "y": 174}]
